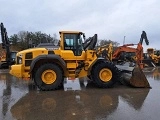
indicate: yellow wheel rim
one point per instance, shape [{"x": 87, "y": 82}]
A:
[
  {"x": 49, "y": 76},
  {"x": 105, "y": 74}
]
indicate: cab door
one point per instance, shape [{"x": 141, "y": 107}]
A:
[{"x": 73, "y": 48}]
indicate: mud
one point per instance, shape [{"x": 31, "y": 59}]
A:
[{"x": 79, "y": 100}]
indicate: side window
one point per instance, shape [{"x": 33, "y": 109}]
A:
[
  {"x": 69, "y": 41},
  {"x": 73, "y": 42}
]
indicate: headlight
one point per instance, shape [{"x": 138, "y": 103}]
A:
[{"x": 19, "y": 60}]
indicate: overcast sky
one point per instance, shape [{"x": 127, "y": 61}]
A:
[{"x": 110, "y": 19}]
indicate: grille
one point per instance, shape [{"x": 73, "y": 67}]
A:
[
  {"x": 50, "y": 52},
  {"x": 29, "y": 55},
  {"x": 28, "y": 62}
]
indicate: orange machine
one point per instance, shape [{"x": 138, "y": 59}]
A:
[{"x": 126, "y": 53}]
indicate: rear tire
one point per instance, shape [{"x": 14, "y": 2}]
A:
[
  {"x": 4, "y": 65},
  {"x": 48, "y": 77},
  {"x": 105, "y": 74}
]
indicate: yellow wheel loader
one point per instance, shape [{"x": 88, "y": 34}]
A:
[
  {"x": 73, "y": 58},
  {"x": 154, "y": 56}
]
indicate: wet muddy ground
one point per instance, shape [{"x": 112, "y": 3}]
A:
[{"x": 79, "y": 100}]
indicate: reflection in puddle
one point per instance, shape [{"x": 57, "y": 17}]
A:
[
  {"x": 11, "y": 90},
  {"x": 74, "y": 104},
  {"x": 78, "y": 99},
  {"x": 135, "y": 98},
  {"x": 88, "y": 104},
  {"x": 74, "y": 84},
  {"x": 153, "y": 73}
]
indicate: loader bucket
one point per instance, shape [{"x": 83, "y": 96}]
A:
[{"x": 136, "y": 78}]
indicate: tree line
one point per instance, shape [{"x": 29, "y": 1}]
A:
[
  {"x": 25, "y": 39},
  {"x": 106, "y": 42}
]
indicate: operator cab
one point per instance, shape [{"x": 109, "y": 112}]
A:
[{"x": 73, "y": 41}]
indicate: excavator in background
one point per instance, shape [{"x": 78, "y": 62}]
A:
[
  {"x": 7, "y": 57},
  {"x": 130, "y": 54},
  {"x": 75, "y": 59}
]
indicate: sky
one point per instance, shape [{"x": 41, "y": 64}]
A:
[{"x": 110, "y": 19}]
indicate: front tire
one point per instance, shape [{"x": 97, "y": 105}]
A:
[
  {"x": 105, "y": 74},
  {"x": 48, "y": 77}
]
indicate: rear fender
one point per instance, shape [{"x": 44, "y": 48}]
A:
[{"x": 100, "y": 59}]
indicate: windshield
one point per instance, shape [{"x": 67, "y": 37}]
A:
[
  {"x": 73, "y": 42},
  {"x": 13, "y": 55}
]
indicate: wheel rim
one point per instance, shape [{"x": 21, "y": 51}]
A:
[
  {"x": 105, "y": 74},
  {"x": 49, "y": 76}
]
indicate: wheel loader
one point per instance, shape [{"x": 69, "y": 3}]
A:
[
  {"x": 153, "y": 55},
  {"x": 73, "y": 58}
]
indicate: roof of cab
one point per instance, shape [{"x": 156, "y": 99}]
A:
[{"x": 70, "y": 32}]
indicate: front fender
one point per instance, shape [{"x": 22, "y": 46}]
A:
[{"x": 47, "y": 58}]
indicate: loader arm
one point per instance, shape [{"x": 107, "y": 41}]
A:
[
  {"x": 105, "y": 51},
  {"x": 90, "y": 43}
]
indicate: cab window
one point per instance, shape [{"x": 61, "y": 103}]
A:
[{"x": 73, "y": 42}]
